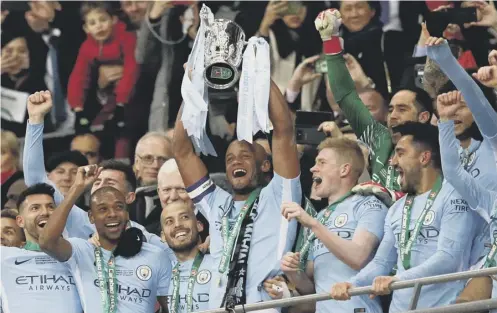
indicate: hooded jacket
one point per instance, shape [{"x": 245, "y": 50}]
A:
[{"x": 120, "y": 46}]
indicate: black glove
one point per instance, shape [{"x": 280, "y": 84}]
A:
[{"x": 82, "y": 123}]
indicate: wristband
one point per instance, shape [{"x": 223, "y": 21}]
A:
[{"x": 332, "y": 46}]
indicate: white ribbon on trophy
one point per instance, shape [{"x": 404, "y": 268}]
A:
[
  {"x": 255, "y": 82},
  {"x": 194, "y": 91}
]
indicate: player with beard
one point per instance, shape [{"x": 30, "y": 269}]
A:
[
  {"x": 124, "y": 273},
  {"x": 474, "y": 103},
  {"x": 428, "y": 232},
  {"x": 343, "y": 236},
  {"x": 11, "y": 234},
  {"x": 248, "y": 222},
  {"x": 32, "y": 281},
  {"x": 479, "y": 198},
  {"x": 115, "y": 174},
  {"x": 190, "y": 286}
]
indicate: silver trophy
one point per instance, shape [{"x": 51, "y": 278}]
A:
[{"x": 224, "y": 42}]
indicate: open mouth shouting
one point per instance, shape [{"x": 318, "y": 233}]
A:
[
  {"x": 317, "y": 180},
  {"x": 239, "y": 172},
  {"x": 113, "y": 227},
  {"x": 42, "y": 222}
]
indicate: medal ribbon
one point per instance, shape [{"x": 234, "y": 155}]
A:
[
  {"x": 191, "y": 283},
  {"x": 106, "y": 274},
  {"x": 407, "y": 242},
  {"x": 490, "y": 261},
  {"x": 304, "y": 251},
  {"x": 32, "y": 246},
  {"x": 391, "y": 176},
  {"x": 229, "y": 238}
]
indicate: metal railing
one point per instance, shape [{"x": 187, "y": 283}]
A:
[{"x": 414, "y": 283}]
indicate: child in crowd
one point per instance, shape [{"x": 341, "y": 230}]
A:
[
  {"x": 109, "y": 49},
  {"x": 108, "y": 45}
]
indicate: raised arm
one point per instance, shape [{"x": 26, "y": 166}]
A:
[
  {"x": 148, "y": 47},
  {"x": 190, "y": 165},
  {"x": 485, "y": 116},
  {"x": 285, "y": 156},
  {"x": 51, "y": 240},
  {"x": 478, "y": 197},
  {"x": 39, "y": 104},
  {"x": 340, "y": 81}
]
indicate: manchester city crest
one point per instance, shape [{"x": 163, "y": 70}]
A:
[
  {"x": 203, "y": 277},
  {"x": 144, "y": 272},
  {"x": 341, "y": 220},
  {"x": 430, "y": 216}
]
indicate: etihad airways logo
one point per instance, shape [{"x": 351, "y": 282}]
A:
[
  {"x": 46, "y": 282},
  {"x": 130, "y": 294}
]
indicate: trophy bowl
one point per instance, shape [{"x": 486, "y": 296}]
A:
[{"x": 224, "y": 43}]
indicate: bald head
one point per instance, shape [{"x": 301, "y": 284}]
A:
[
  {"x": 152, "y": 150},
  {"x": 149, "y": 139}
]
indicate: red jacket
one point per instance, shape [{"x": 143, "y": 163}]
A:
[{"x": 120, "y": 45}]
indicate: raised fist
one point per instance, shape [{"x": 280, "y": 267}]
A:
[
  {"x": 487, "y": 75},
  {"x": 328, "y": 23},
  {"x": 448, "y": 104},
  {"x": 39, "y": 104}
]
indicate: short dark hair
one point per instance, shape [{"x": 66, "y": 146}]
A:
[
  {"x": 74, "y": 157},
  {"x": 88, "y": 6},
  {"x": 37, "y": 189},
  {"x": 9, "y": 213},
  {"x": 422, "y": 100},
  {"x": 121, "y": 167},
  {"x": 424, "y": 134},
  {"x": 101, "y": 191}
]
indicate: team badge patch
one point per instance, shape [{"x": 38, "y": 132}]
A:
[
  {"x": 341, "y": 220},
  {"x": 144, "y": 272},
  {"x": 430, "y": 216},
  {"x": 203, "y": 277}
]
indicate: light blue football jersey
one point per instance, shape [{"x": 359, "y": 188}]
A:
[
  {"x": 356, "y": 212},
  {"x": 479, "y": 198},
  {"x": 441, "y": 247},
  {"x": 34, "y": 282},
  {"x": 272, "y": 235},
  {"x": 481, "y": 164},
  {"x": 201, "y": 290},
  {"x": 140, "y": 279},
  {"x": 78, "y": 223}
]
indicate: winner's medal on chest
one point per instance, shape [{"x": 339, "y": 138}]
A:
[
  {"x": 230, "y": 236},
  {"x": 406, "y": 241}
]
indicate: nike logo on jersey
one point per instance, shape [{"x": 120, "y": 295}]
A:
[{"x": 20, "y": 262}]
